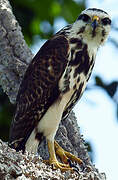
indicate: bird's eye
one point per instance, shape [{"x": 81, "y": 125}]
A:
[
  {"x": 84, "y": 17},
  {"x": 106, "y": 21}
]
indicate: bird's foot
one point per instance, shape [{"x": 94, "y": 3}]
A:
[
  {"x": 67, "y": 157},
  {"x": 55, "y": 165}
]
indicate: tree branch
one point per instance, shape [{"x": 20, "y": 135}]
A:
[{"x": 15, "y": 165}]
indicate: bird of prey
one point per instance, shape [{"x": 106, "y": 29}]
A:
[{"x": 54, "y": 81}]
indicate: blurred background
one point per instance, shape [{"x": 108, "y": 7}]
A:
[{"x": 97, "y": 111}]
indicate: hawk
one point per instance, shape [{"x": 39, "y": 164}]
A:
[{"x": 54, "y": 81}]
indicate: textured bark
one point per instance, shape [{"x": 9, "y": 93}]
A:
[
  {"x": 14, "y": 53},
  {"x": 14, "y": 59},
  {"x": 15, "y": 165}
]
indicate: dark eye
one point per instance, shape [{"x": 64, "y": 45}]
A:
[
  {"x": 106, "y": 21},
  {"x": 84, "y": 17}
]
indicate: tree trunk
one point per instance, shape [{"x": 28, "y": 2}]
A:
[
  {"x": 14, "y": 59},
  {"x": 14, "y": 52}
]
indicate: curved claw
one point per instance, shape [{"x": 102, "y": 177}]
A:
[
  {"x": 68, "y": 158},
  {"x": 55, "y": 165},
  {"x": 83, "y": 166},
  {"x": 73, "y": 166}
]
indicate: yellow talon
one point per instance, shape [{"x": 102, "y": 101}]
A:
[
  {"x": 53, "y": 160},
  {"x": 64, "y": 155},
  {"x": 55, "y": 149}
]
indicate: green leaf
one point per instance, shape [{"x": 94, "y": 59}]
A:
[{"x": 55, "y": 9}]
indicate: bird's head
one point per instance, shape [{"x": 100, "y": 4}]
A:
[{"x": 93, "y": 26}]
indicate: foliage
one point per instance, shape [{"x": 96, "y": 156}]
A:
[
  {"x": 110, "y": 88},
  {"x": 31, "y": 13},
  {"x": 6, "y": 113}
]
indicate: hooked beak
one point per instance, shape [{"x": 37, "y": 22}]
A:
[{"x": 95, "y": 22}]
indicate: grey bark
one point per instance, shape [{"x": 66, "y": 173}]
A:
[
  {"x": 14, "y": 52},
  {"x": 15, "y": 165},
  {"x": 14, "y": 59}
]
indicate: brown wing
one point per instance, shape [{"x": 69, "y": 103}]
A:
[{"x": 39, "y": 88}]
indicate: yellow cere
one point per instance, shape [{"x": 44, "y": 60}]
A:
[{"x": 95, "y": 18}]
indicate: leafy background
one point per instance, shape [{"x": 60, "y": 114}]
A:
[{"x": 37, "y": 19}]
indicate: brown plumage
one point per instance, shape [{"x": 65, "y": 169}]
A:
[{"x": 39, "y": 89}]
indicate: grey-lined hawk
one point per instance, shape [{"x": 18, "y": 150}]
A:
[{"x": 54, "y": 81}]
